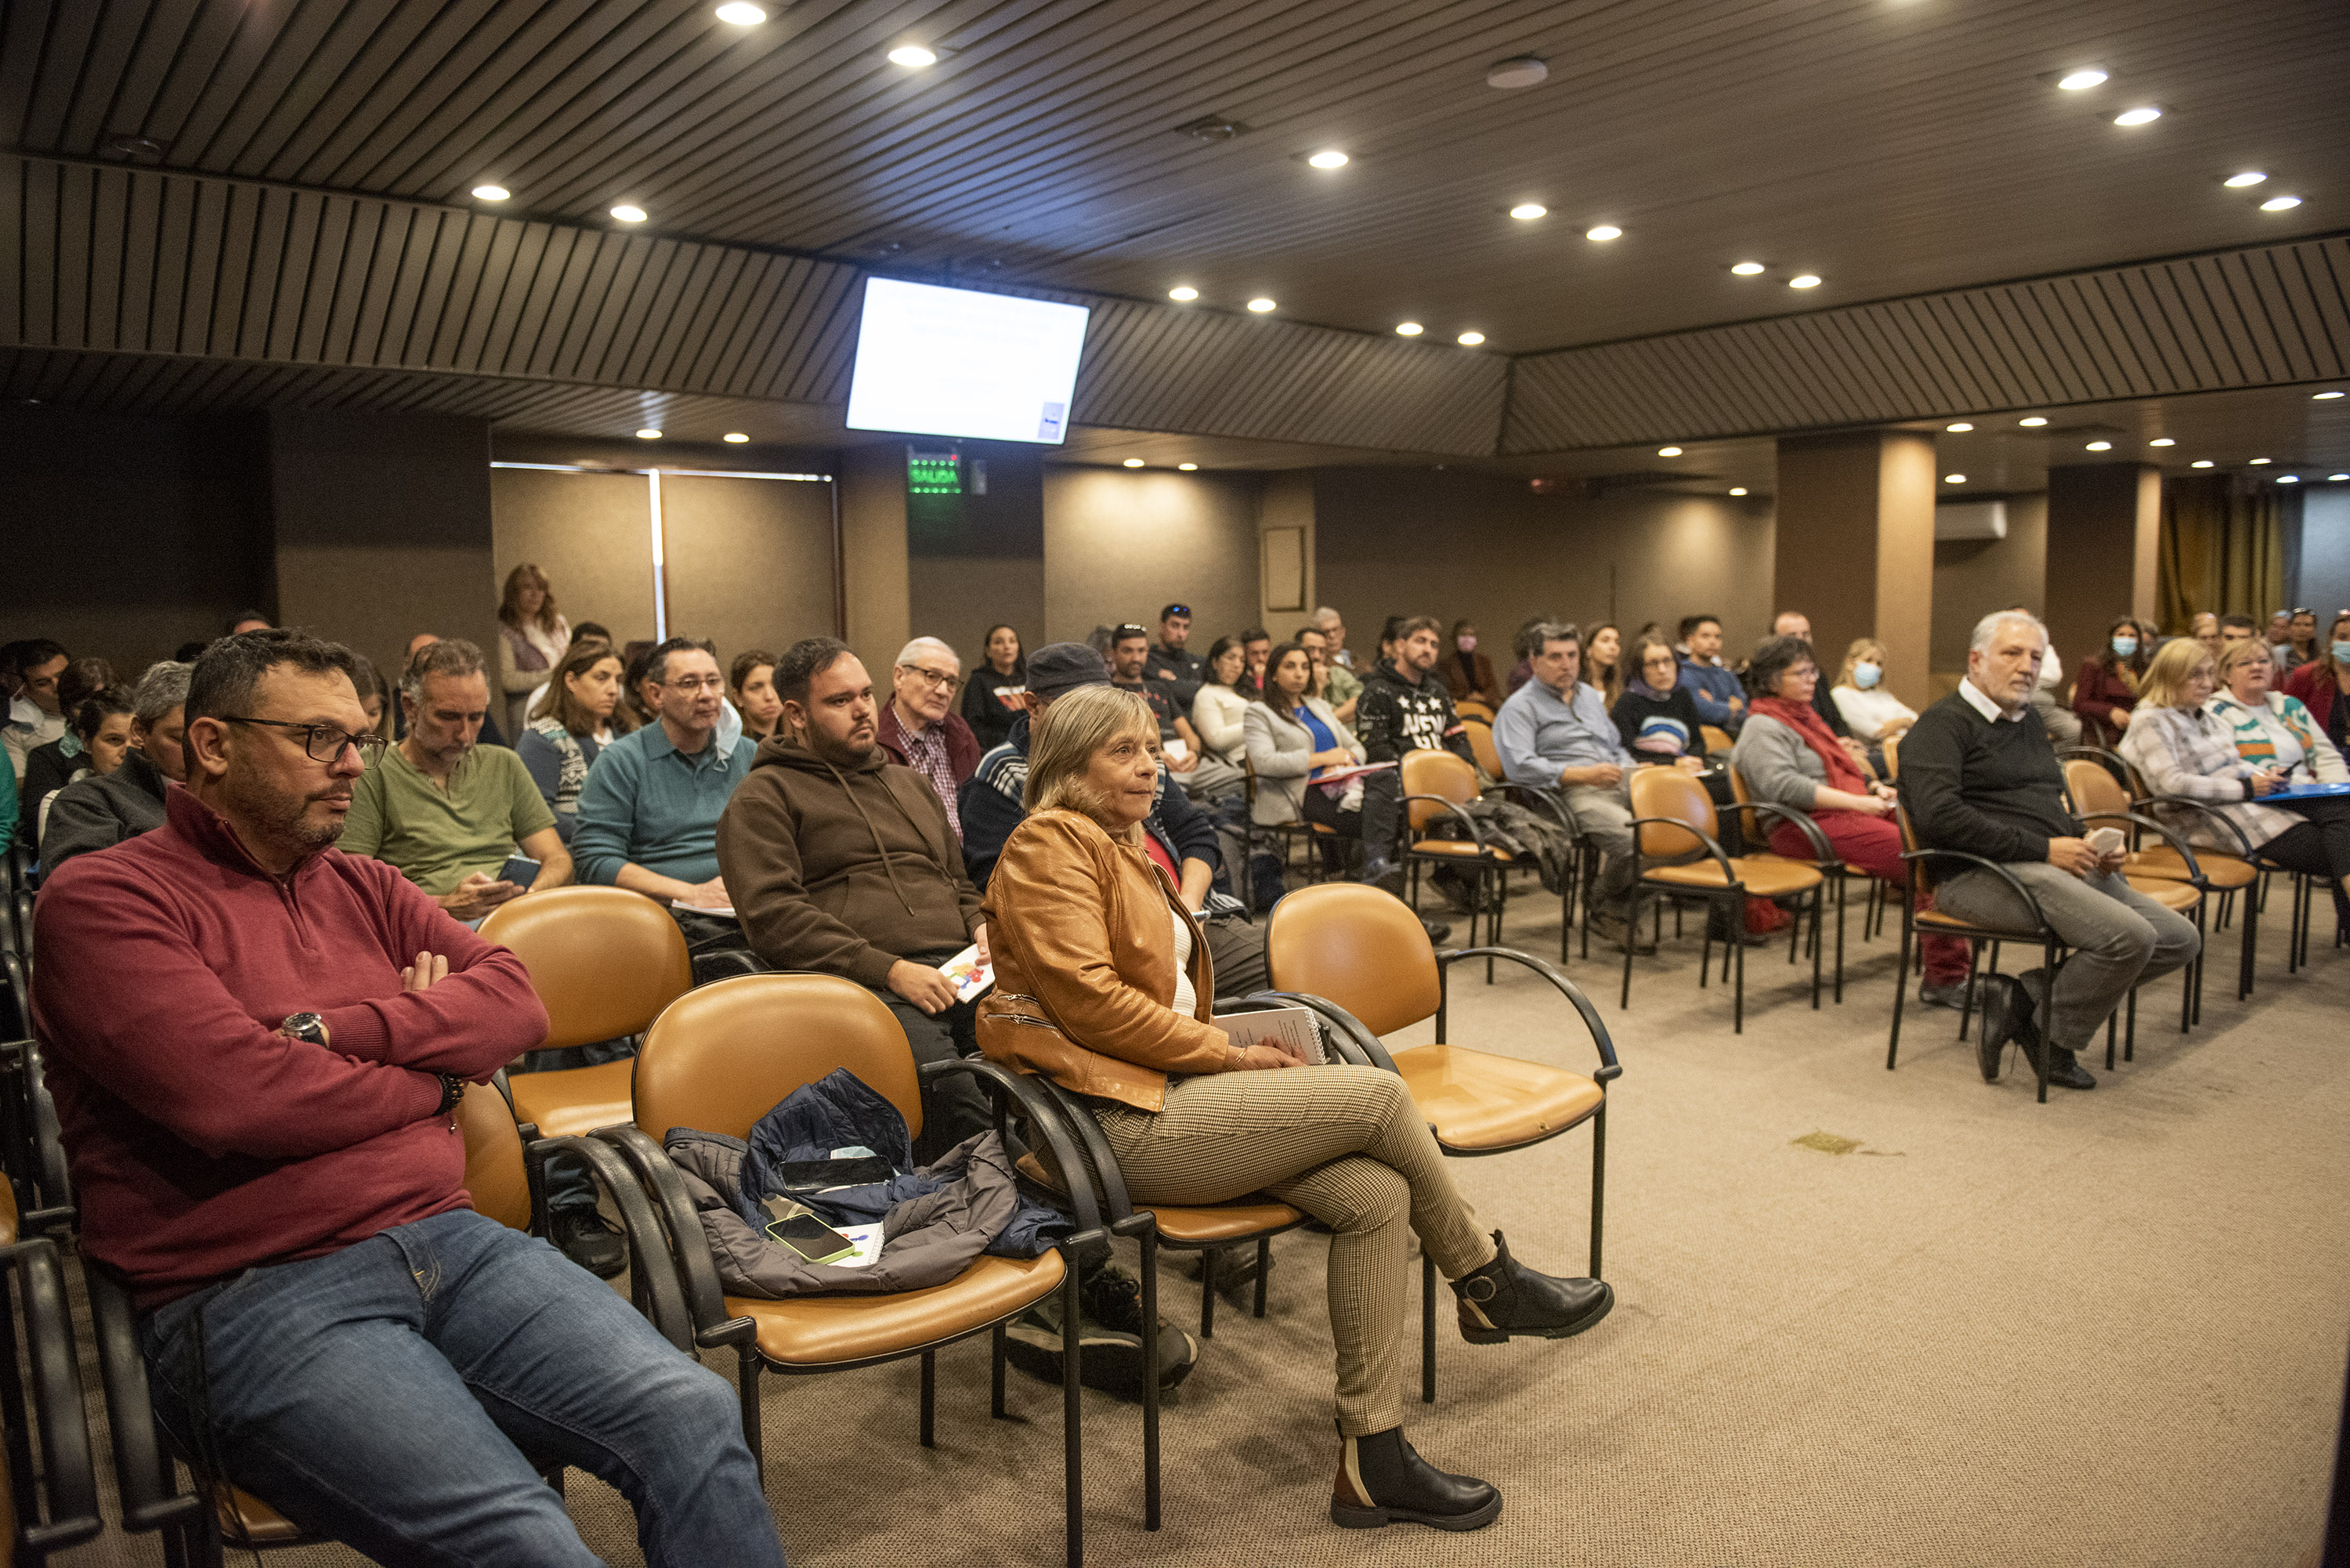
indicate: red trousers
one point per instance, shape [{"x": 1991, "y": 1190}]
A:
[{"x": 1873, "y": 844}]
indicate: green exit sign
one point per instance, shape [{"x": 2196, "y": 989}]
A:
[{"x": 933, "y": 473}]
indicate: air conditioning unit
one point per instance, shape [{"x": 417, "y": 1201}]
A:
[{"x": 1969, "y": 520}]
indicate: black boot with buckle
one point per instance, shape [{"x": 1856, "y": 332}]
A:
[
  {"x": 1382, "y": 1480},
  {"x": 1505, "y": 1298}
]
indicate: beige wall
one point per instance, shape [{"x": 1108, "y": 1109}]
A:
[
  {"x": 1485, "y": 546},
  {"x": 1855, "y": 546},
  {"x": 1974, "y": 577},
  {"x": 958, "y": 598},
  {"x": 749, "y": 561},
  {"x": 1119, "y": 544},
  {"x": 2104, "y": 523},
  {"x": 874, "y": 554},
  {"x": 591, "y": 533}
]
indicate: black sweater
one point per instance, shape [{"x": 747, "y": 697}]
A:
[
  {"x": 1992, "y": 790},
  {"x": 1633, "y": 709},
  {"x": 983, "y": 705}
]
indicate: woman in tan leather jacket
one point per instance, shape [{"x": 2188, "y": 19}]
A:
[{"x": 1103, "y": 984}]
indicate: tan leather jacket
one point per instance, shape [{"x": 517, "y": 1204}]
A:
[{"x": 1085, "y": 967}]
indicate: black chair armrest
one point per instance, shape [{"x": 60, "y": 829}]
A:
[
  {"x": 68, "y": 1480},
  {"x": 1354, "y": 1040},
  {"x": 654, "y": 1283},
  {"x": 145, "y": 1479},
  {"x": 1712, "y": 846},
  {"x": 2210, "y": 812},
  {"x": 1609, "y": 1067},
  {"x": 689, "y": 1248},
  {"x": 1822, "y": 850},
  {"x": 1549, "y": 799},
  {"x": 1453, "y": 807},
  {"x": 1044, "y": 1116},
  {"x": 57, "y": 1210},
  {"x": 2039, "y": 919}
]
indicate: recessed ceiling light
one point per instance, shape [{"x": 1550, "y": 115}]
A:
[
  {"x": 1668, "y": 452},
  {"x": 1259, "y": 305},
  {"x": 2260, "y": 462},
  {"x": 2162, "y": 441},
  {"x": 2280, "y": 203},
  {"x": 735, "y": 437},
  {"x": 1526, "y": 211},
  {"x": 1604, "y": 232},
  {"x": 2337, "y": 478},
  {"x": 649, "y": 435},
  {"x": 2248, "y": 177},
  {"x": 1749, "y": 269},
  {"x": 1524, "y": 71},
  {"x": 1738, "y": 490},
  {"x": 1408, "y": 329},
  {"x": 2086, "y": 76},
  {"x": 1134, "y": 462},
  {"x": 2145, "y": 114},
  {"x": 629, "y": 214},
  {"x": 2101, "y": 446},
  {"x": 742, "y": 13},
  {"x": 491, "y": 193},
  {"x": 1954, "y": 479},
  {"x": 1470, "y": 339},
  {"x": 2288, "y": 479},
  {"x": 1328, "y": 158},
  {"x": 2200, "y": 463},
  {"x": 2033, "y": 421},
  {"x": 1189, "y": 467},
  {"x": 2323, "y": 397},
  {"x": 1804, "y": 280},
  {"x": 1183, "y": 291},
  {"x": 1960, "y": 425},
  {"x": 914, "y": 56}
]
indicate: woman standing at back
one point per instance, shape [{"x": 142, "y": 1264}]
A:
[{"x": 532, "y": 637}]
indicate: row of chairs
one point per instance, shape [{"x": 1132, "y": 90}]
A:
[{"x": 717, "y": 1057}]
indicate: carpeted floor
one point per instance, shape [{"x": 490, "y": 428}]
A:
[{"x": 2109, "y": 1330}]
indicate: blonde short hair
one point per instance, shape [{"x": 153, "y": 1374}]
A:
[
  {"x": 2164, "y": 684},
  {"x": 1852, "y": 656},
  {"x": 2242, "y": 651},
  {"x": 1061, "y": 746}
]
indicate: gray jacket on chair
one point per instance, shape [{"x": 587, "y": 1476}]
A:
[
  {"x": 1281, "y": 753},
  {"x": 1778, "y": 764}
]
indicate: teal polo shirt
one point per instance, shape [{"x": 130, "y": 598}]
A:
[{"x": 647, "y": 802}]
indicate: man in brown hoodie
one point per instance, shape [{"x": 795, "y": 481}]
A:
[{"x": 841, "y": 861}]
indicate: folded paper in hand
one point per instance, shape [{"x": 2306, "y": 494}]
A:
[{"x": 1291, "y": 1029}]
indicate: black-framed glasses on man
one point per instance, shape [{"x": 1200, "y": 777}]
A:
[
  {"x": 939, "y": 678},
  {"x": 323, "y": 742}
]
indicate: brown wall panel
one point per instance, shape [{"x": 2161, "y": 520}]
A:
[
  {"x": 591, "y": 533},
  {"x": 750, "y": 561},
  {"x": 1974, "y": 577},
  {"x": 1119, "y": 546}
]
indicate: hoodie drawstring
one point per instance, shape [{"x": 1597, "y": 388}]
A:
[{"x": 887, "y": 865}]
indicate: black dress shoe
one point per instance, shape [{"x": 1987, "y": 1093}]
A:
[
  {"x": 1235, "y": 1269},
  {"x": 1437, "y": 932},
  {"x": 2003, "y": 1001},
  {"x": 2065, "y": 1072},
  {"x": 1382, "y": 1480},
  {"x": 1953, "y": 997},
  {"x": 1506, "y": 1298}
]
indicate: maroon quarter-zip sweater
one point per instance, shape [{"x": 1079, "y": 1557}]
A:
[{"x": 202, "y": 1141}]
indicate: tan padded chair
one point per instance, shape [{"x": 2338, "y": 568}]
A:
[
  {"x": 1673, "y": 822},
  {"x": 604, "y": 961},
  {"x": 1435, "y": 786},
  {"x": 2173, "y": 876},
  {"x": 721, "y": 1057},
  {"x": 1717, "y": 741},
  {"x": 1751, "y": 815},
  {"x": 1480, "y": 746},
  {"x": 1365, "y": 963}
]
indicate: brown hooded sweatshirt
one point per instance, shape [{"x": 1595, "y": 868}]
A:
[{"x": 843, "y": 870}]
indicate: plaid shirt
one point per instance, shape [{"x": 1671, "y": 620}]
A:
[
  {"x": 926, "y": 754},
  {"x": 2185, "y": 752}
]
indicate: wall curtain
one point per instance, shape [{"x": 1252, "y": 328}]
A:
[{"x": 2222, "y": 549}]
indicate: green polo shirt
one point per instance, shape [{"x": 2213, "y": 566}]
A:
[
  {"x": 1343, "y": 688},
  {"x": 435, "y": 838}
]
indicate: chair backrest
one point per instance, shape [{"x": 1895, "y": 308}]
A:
[
  {"x": 1359, "y": 946},
  {"x": 1716, "y": 738},
  {"x": 1671, "y": 793},
  {"x": 2094, "y": 789},
  {"x": 1438, "y": 774},
  {"x": 722, "y": 1055},
  {"x": 604, "y": 960},
  {"x": 1891, "y": 747},
  {"x": 1474, "y": 706},
  {"x": 1481, "y": 747},
  {"x": 494, "y": 1177},
  {"x": 1750, "y": 822}
]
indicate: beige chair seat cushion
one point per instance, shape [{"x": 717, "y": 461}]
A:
[
  {"x": 1205, "y": 1225},
  {"x": 575, "y": 1100},
  {"x": 244, "y": 1517},
  {"x": 1458, "y": 848},
  {"x": 2222, "y": 870},
  {"x": 2177, "y": 896},
  {"x": 817, "y": 1331},
  {"x": 1764, "y": 876},
  {"x": 1476, "y": 1100}
]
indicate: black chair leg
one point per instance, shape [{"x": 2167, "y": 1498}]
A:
[
  {"x": 995, "y": 1373},
  {"x": 1208, "y": 1293},
  {"x": 1073, "y": 1483},
  {"x": 930, "y": 1398},
  {"x": 1900, "y": 995},
  {"x": 1598, "y": 1182},
  {"x": 1150, "y": 1496},
  {"x": 1264, "y": 1267}
]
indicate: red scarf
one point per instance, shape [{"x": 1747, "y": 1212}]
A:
[{"x": 1844, "y": 773}]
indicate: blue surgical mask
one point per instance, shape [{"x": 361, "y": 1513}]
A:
[
  {"x": 2124, "y": 646},
  {"x": 2341, "y": 651},
  {"x": 1867, "y": 675}
]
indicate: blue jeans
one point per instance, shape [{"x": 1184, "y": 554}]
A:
[{"x": 378, "y": 1396}]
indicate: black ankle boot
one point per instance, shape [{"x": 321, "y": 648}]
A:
[
  {"x": 1506, "y": 1298},
  {"x": 1381, "y": 1481}
]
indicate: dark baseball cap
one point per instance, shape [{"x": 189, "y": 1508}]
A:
[{"x": 1059, "y": 667}]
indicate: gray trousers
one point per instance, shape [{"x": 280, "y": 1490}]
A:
[
  {"x": 2118, "y": 937},
  {"x": 1605, "y": 816}
]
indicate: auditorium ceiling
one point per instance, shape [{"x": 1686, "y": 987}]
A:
[{"x": 266, "y": 185}]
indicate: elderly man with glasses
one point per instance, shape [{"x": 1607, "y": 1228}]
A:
[{"x": 918, "y": 727}]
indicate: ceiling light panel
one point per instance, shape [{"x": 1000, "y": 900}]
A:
[
  {"x": 1604, "y": 232},
  {"x": 2248, "y": 177},
  {"x": 491, "y": 193},
  {"x": 1408, "y": 329},
  {"x": 1183, "y": 292},
  {"x": 741, "y": 13},
  {"x": 2145, "y": 114},
  {"x": 1527, "y": 211},
  {"x": 1804, "y": 280},
  {"x": 914, "y": 56},
  {"x": 2082, "y": 79},
  {"x": 1261, "y": 303},
  {"x": 2033, "y": 421},
  {"x": 1958, "y": 428},
  {"x": 1132, "y": 462},
  {"x": 1749, "y": 269},
  {"x": 1328, "y": 158},
  {"x": 2280, "y": 203},
  {"x": 1470, "y": 339},
  {"x": 627, "y": 214}
]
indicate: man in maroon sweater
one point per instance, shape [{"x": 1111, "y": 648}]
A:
[{"x": 255, "y": 1042}]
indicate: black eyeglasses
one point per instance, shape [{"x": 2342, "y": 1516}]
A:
[
  {"x": 323, "y": 742},
  {"x": 1173, "y": 610}
]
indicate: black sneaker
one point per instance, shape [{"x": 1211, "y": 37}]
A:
[
  {"x": 1953, "y": 997},
  {"x": 1109, "y": 1359},
  {"x": 588, "y": 1240},
  {"x": 2065, "y": 1072}
]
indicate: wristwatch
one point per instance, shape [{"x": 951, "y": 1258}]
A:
[{"x": 304, "y": 1026}]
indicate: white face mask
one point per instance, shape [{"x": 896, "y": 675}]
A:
[
  {"x": 1465, "y": 644},
  {"x": 1867, "y": 675}
]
